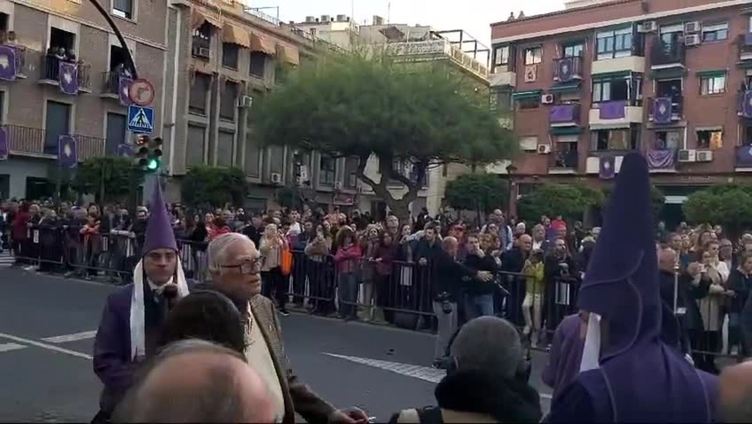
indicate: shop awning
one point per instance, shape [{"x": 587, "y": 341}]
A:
[
  {"x": 709, "y": 73},
  {"x": 566, "y": 130},
  {"x": 234, "y": 35},
  {"x": 566, "y": 87},
  {"x": 288, "y": 54},
  {"x": 198, "y": 18},
  {"x": 529, "y": 94},
  {"x": 263, "y": 44}
]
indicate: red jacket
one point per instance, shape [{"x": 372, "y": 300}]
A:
[
  {"x": 18, "y": 227},
  {"x": 348, "y": 259}
]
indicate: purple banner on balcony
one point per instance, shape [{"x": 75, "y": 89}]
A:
[
  {"x": 561, "y": 113},
  {"x": 124, "y": 84},
  {"x": 747, "y": 104},
  {"x": 8, "y": 62},
  {"x": 125, "y": 150},
  {"x": 744, "y": 156},
  {"x": 67, "y": 153},
  {"x": 661, "y": 159},
  {"x": 607, "y": 168},
  {"x": 613, "y": 110},
  {"x": 748, "y": 39},
  {"x": 662, "y": 110},
  {"x": 566, "y": 68},
  {"x": 68, "y": 78},
  {"x": 4, "y": 150}
]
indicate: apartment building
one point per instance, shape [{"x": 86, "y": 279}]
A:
[
  {"x": 668, "y": 78},
  {"x": 58, "y": 77}
]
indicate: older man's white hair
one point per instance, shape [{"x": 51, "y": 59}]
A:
[{"x": 217, "y": 249}]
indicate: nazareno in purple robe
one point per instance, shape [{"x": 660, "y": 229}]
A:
[{"x": 640, "y": 377}]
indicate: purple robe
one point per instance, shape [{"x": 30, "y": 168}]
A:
[
  {"x": 565, "y": 356},
  {"x": 640, "y": 378}
]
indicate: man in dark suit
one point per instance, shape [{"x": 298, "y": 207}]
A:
[
  {"x": 513, "y": 261},
  {"x": 234, "y": 264},
  {"x": 132, "y": 317}
]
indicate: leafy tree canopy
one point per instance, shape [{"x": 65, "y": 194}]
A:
[
  {"x": 728, "y": 205},
  {"x": 112, "y": 177},
  {"x": 484, "y": 192},
  {"x": 362, "y": 105},
  {"x": 215, "y": 187},
  {"x": 569, "y": 201}
]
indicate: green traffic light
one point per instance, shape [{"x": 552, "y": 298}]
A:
[{"x": 153, "y": 165}]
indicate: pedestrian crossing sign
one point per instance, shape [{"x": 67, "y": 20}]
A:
[{"x": 140, "y": 119}]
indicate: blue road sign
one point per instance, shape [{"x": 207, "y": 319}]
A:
[{"x": 140, "y": 119}]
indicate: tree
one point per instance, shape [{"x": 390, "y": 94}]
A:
[
  {"x": 477, "y": 192},
  {"x": 727, "y": 205},
  {"x": 215, "y": 187},
  {"x": 569, "y": 201},
  {"x": 419, "y": 115},
  {"x": 657, "y": 198},
  {"x": 108, "y": 178}
]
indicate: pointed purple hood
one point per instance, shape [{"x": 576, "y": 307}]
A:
[{"x": 159, "y": 233}]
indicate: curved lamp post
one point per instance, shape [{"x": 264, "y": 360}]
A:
[
  {"x": 511, "y": 169},
  {"x": 129, "y": 59}
]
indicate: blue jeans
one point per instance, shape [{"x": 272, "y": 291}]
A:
[
  {"x": 347, "y": 291},
  {"x": 478, "y": 306}
]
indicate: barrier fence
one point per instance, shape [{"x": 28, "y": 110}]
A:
[{"x": 398, "y": 292}]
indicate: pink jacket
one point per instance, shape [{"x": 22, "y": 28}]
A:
[{"x": 348, "y": 259}]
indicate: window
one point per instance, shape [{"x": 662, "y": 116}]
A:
[
  {"x": 573, "y": 49},
  {"x": 258, "y": 64},
  {"x": 610, "y": 90},
  {"x": 612, "y": 44},
  {"x": 2, "y": 107},
  {"x": 123, "y": 8},
  {"x": 194, "y": 151},
  {"x": 501, "y": 56},
  {"x": 351, "y": 168},
  {"x": 4, "y": 18},
  {"x": 228, "y": 101},
  {"x": 501, "y": 100},
  {"x": 116, "y": 131},
  {"x": 710, "y": 138},
  {"x": 671, "y": 140},
  {"x": 230, "y": 55},
  {"x": 57, "y": 123},
  {"x": 715, "y": 32},
  {"x": 202, "y": 41},
  {"x": 199, "y": 94},
  {"x": 529, "y": 103},
  {"x": 710, "y": 85},
  {"x": 565, "y": 155},
  {"x": 614, "y": 139},
  {"x": 225, "y": 141},
  {"x": 533, "y": 55},
  {"x": 529, "y": 144},
  {"x": 327, "y": 170},
  {"x": 669, "y": 88}
]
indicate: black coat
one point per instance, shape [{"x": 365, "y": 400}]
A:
[
  {"x": 447, "y": 276},
  {"x": 687, "y": 296},
  {"x": 486, "y": 263}
]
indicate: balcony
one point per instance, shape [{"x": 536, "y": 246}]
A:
[
  {"x": 563, "y": 162},
  {"x": 568, "y": 69},
  {"x": 567, "y": 115},
  {"x": 201, "y": 48},
  {"x": 419, "y": 51},
  {"x": 115, "y": 86},
  {"x": 667, "y": 55},
  {"x": 745, "y": 47},
  {"x": 502, "y": 77},
  {"x": 50, "y": 73},
  {"x": 28, "y": 141},
  {"x": 665, "y": 110},
  {"x": 661, "y": 160},
  {"x": 614, "y": 114},
  {"x": 744, "y": 157},
  {"x": 744, "y": 104}
]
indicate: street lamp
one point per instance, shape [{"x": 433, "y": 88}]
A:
[
  {"x": 129, "y": 59},
  {"x": 511, "y": 169}
]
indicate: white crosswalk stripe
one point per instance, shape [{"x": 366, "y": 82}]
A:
[{"x": 6, "y": 259}]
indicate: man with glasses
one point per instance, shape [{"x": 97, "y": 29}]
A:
[
  {"x": 131, "y": 321},
  {"x": 234, "y": 266}
]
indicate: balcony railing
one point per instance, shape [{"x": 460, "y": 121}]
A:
[
  {"x": 745, "y": 46},
  {"x": 564, "y": 115},
  {"x": 436, "y": 49},
  {"x": 662, "y": 53},
  {"x": 744, "y": 156},
  {"x": 34, "y": 141},
  {"x": 50, "y": 71},
  {"x": 661, "y": 159},
  {"x": 744, "y": 104},
  {"x": 564, "y": 160},
  {"x": 568, "y": 69},
  {"x": 665, "y": 110}
]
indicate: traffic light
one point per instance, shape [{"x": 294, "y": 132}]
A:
[{"x": 149, "y": 153}]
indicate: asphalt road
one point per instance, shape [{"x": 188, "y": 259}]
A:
[{"x": 47, "y": 327}]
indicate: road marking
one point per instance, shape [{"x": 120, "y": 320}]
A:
[
  {"x": 7, "y": 347},
  {"x": 46, "y": 346},
  {"x": 71, "y": 337},
  {"x": 432, "y": 375}
]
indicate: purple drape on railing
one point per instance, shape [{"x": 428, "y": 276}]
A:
[
  {"x": 566, "y": 66},
  {"x": 8, "y": 63},
  {"x": 67, "y": 152},
  {"x": 662, "y": 110},
  {"x": 68, "y": 77},
  {"x": 613, "y": 110},
  {"x": 747, "y": 104},
  {"x": 744, "y": 156},
  {"x": 607, "y": 167},
  {"x": 661, "y": 158},
  {"x": 561, "y": 113}
]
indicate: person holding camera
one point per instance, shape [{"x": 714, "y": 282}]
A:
[
  {"x": 559, "y": 276},
  {"x": 479, "y": 296}
]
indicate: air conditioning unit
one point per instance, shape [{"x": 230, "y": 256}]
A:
[
  {"x": 547, "y": 99},
  {"x": 648, "y": 26},
  {"x": 276, "y": 178},
  {"x": 704, "y": 156},
  {"x": 692, "y": 40},
  {"x": 692, "y": 27},
  {"x": 544, "y": 149},
  {"x": 245, "y": 101},
  {"x": 687, "y": 155}
]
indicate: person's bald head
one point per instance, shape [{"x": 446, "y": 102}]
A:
[
  {"x": 736, "y": 393},
  {"x": 219, "y": 388},
  {"x": 666, "y": 259},
  {"x": 525, "y": 243},
  {"x": 488, "y": 344}
]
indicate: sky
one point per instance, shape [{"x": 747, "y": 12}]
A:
[{"x": 473, "y": 16}]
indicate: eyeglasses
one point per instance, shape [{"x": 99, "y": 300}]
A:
[{"x": 246, "y": 267}]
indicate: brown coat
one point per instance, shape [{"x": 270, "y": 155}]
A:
[{"x": 298, "y": 396}]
